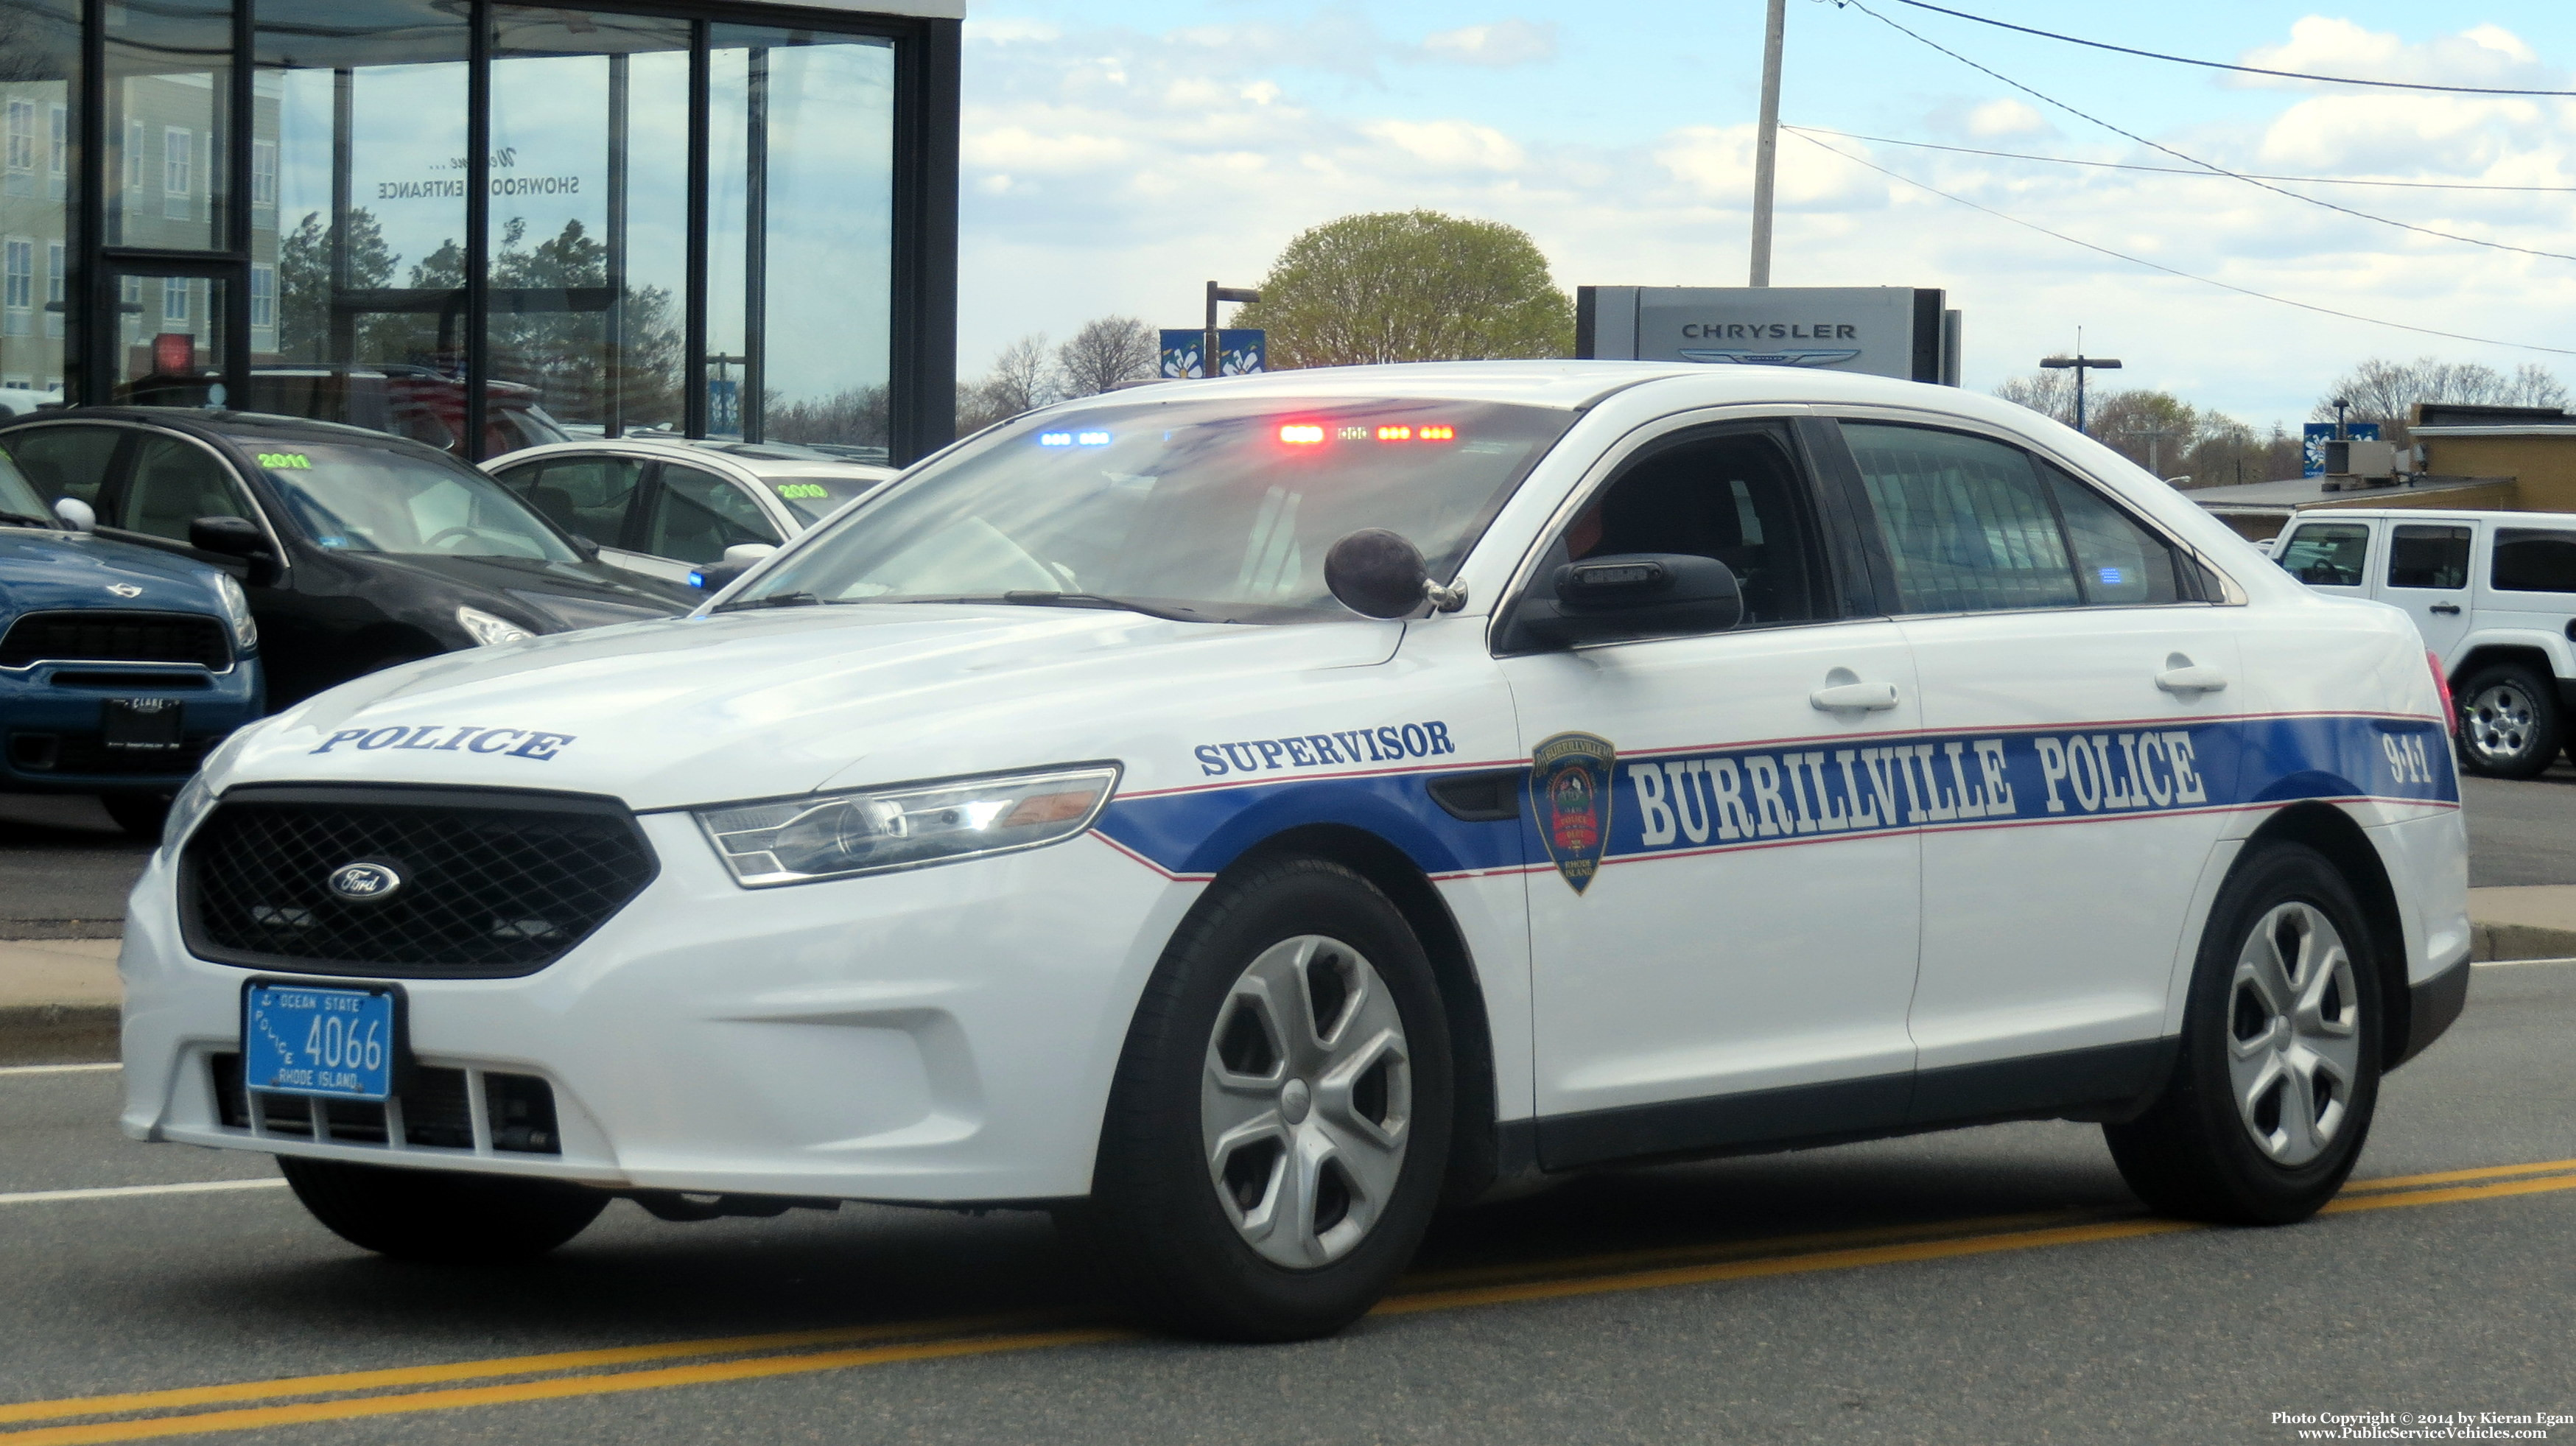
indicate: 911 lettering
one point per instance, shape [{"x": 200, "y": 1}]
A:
[{"x": 1391, "y": 744}]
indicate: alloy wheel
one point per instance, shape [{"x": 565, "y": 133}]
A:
[
  {"x": 1305, "y": 1101},
  {"x": 2499, "y": 722},
  {"x": 2294, "y": 1034}
]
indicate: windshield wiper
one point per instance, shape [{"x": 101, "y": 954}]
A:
[
  {"x": 26, "y": 517},
  {"x": 774, "y": 600},
  {"x": 1036, "y": 599}
]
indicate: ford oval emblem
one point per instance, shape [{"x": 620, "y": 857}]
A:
[
  {"x": 364, "y": 880},
  {"x": 124, "y": 589}
]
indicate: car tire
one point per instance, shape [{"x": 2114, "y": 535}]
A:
[
  {"x": 141, "y": 815},
  {"x": 1261, "y": 1178},
  {"x": 2277, "y": 1078},
  {"x": 442, "y": 1217},
  {"x": 2509, "y": 722}
]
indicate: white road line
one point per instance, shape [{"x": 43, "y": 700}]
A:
[
  {"x": 55, "y": 1068},
  {"x": 2517, "y": 963},
  {"x": 118, "y": 1192}
]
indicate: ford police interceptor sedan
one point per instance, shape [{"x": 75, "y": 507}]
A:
[{"x": 1241, "y": 816}]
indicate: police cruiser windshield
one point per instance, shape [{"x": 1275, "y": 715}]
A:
[{"x": 1216, "y": 511}]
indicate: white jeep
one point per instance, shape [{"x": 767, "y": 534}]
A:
[{"x": 2494, "y": 594}]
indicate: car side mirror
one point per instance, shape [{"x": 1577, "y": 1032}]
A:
[
  {"x": 588, "y": 549},
  {"x": 1632, "y": 595},
  {"x": 1380, "y": 574},
  {"x": 75, "y": 514},
  {"x": 236, "y": 537},
  {"x": 747, "y": 553}
]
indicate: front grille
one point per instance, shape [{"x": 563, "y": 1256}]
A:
[
  {"x": 106, "y": 636},
  {"x": 518, "y": 1111},
  {"x": 493, "y": 884}
]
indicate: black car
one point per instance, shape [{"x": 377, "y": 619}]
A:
[{"x": 360, "y": 550}]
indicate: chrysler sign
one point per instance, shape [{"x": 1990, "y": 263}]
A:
[{"x": 1888, "y": 331}]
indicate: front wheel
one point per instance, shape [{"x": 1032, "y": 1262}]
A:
[
  {"x": 2509, "y": 723},
  {"x": 441, "y": 1217},
  {"x": 2279, "y": 1070},
  {"x": 1279, "y": 1125}
]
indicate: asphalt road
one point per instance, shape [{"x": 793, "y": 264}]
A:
[{"x": 1995, "y": 1285}]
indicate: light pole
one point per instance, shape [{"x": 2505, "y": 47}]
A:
[
  {"x": 2080, "y": 364},
  {"x": 1766, "y": 141},
  {"x": 1215, "y": 294}
]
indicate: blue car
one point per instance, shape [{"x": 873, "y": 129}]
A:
[{"x": 120, "y": 666}]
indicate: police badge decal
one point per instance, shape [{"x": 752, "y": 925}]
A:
[{"x": 1570, "y": 796}]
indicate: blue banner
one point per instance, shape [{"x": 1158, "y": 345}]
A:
[
  {"x": 2314, "y": 436},
  {"x": 1240, "y": 351}
]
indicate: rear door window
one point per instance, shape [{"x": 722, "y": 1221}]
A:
[
  {"x": 2327, "y": 554},
  {"x": 66, "y": 461},
  {"x": 2428, "y": 557},
  {"x": 2533, "y": 559}
]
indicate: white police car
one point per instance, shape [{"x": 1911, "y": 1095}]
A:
[{"x": 1697, "y": 760}]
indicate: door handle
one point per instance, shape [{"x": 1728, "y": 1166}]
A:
[
  {"x": 2191, "y": 678},
  {"x": 1854, "y": 697},
  {"x": 2446, "y": 609}
]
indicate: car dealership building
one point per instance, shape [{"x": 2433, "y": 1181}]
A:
[{"x": 444, "y": 215}]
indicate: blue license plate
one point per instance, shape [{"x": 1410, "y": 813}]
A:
[{"x": 308, "y": 1041}]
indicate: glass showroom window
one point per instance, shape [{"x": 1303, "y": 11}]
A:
[
  {"x": 174, "y": 301},
  {"x": 170, "y": 84},
  {"x": 263, "y": 305}
]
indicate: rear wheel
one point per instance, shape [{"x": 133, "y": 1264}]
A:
[
  {"x": 2279, "y": 1070},
  {"x": 2509, "y": 722},
  {"x": 1279, "y": 1126},
  {"x": 442, "y": 1217}
]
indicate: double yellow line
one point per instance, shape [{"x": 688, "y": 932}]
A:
[{"x": 256, "y": 1405}]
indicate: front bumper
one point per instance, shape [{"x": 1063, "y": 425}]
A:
[
  {"x": 945, "y": 1035},
  {"x": 53, "y": 743}
]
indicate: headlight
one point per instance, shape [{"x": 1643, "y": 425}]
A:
[
  {"x": 186, "y": 810},
  {"x": 237, "y": 609},
  {"x": 835, "y": 835},
  {"x": 487, "y": 630}
]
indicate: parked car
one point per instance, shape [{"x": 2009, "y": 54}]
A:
[
  {"x": 668, "y": 507},
  {"x": 120, "y": 666},
  {"x": 359, "y": 550},
  {"x": 1241, "y": 817},
  {"x": 2493, "y": 593}
]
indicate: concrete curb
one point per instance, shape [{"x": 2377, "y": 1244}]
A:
[
  {"x": 2491, "y": 942},
  {"x": 57, "y": 1033}
]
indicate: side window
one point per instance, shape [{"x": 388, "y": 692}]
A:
[
  {"x": 699, "y": 514},
  {"x": 2433, "y": 557},
  {"x": 2531, "y": 559},
  {"x": 585, "y": 496},
  {"x": 2329, "y": 554},
  {"x": 1737, "y": 499},
  {"x": 2117, "y": 562},
  {"x": 66, "y": 461},
  {"x": 174, "y": 483}
]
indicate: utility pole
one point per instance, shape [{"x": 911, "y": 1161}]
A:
[
  {"x": 2081, "y": 364},
  {"x": 1766, "y": 144},
  {"x": 1215, "y": 294}
]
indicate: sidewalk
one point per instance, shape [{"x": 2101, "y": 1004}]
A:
[{"x": 58, "y": 997}]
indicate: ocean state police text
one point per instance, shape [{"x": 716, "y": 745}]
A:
[{"x": 1731, "y": 797}]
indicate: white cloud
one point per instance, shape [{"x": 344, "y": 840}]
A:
[
  {"x": 1449, "y": 143},
  {"x": 2005, "y": 117},
  {"x": 2483, "y": 55},
  {"x": 1506, "y": 42}
]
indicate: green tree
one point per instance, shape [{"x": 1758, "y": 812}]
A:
[
  {"x": 1400, "y": 286},
  {"x": 304, "y": 281}
]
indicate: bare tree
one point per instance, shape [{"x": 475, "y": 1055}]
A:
[
  {"x": 1023, "y": 379},
  {"x": 2387, "y": 392},
  {"x": 1108, "y": 350},
  {"x": 2049, "y": 393}
]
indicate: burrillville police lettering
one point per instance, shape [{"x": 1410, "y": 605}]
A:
[
  {"x": 1731, "y": 797},
  {"x": 533, "y": 744},
  {"x": 1390, "y": 744}
]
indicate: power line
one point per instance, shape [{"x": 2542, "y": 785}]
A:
[
  {"x": 2195, "y": 160},
  {"x": 2182, "y": 170},
  {"x": 2222, "y": 65},
  {"x": 2173, "y": 271}
]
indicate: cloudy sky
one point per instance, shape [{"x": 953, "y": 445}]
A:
[{"x": 1118, "y": 153}]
